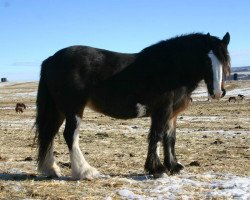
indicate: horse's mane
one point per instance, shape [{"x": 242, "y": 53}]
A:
[
  {"x": 187, "y": 39},
  {"x": 191, "y": 42}
]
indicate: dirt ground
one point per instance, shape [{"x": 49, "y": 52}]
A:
[{"x": 211, "y": 137}]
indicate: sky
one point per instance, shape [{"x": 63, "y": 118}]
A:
[{"x": 32, "y": 30}]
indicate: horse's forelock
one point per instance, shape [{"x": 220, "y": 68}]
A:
[{"x": 221, "y": 52}]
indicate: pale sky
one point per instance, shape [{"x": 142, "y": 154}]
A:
[{"x": 32, "y": 30}]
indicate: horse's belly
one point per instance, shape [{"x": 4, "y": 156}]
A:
[{"x": 118, "y": 109}]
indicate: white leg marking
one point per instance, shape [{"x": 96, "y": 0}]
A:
[
  {"x": 171, "y": 155},
  {"x": 171, "y": 127},
  {"x": 79, "y": 166},
  {"x": 217, "y": 74},
  {"x": 141, "y": 110},
  {"x": 158, "y": 149},
  {"x": 49, "y": 166},
  {"x": 170, "y": 131}
]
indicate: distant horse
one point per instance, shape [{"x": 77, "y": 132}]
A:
[
  {"x": 156, "y": 82},
  {"x": 19, "y": 110},
  {"x": 22, "y": 105},
  {"x": 241, "y": 97},
  {"x": 19, "y": 107},
  {"x": 232, "y": 99}
]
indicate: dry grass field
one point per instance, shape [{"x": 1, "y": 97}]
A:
[{"x": 213, "y": 143}]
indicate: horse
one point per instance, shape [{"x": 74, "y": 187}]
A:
[
  {"x": 241, "y": 97},
  {"x": 232, "y": 99},
  {"x": 156, "y": 82},
  {"x": 19, "y": 107},
  {"x": 22, "y": 105}
]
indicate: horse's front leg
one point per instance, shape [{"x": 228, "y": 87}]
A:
[
  {"x": 153, "y": 164},
  {"x": 169, "y": 138}
]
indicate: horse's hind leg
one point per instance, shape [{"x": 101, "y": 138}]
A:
[
  {"x": 46, "y": 161},
  {"x": 79, "y": 166}
]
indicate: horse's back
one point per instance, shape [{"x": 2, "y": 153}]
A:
[
  {"x": 72, "y": 73},
  {"x": 85, "y": 63}
]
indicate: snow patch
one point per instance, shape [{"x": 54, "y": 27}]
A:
[
  {"x": 233, "y": 187},
  {"x": 26, "y": 94},
  {"x": 201, "y": 92},
  {"x": 209, "y": 186},
  {"x": 235, "y": 92},
  {"x": 127, "y": 194}
]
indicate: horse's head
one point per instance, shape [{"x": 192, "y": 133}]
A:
[{"x": 219, "y": 65}]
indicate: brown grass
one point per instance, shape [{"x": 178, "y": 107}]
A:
[{"x": 211, "y": 136}]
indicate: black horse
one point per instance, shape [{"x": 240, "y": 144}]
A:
[{"x": 156, "y": 82}]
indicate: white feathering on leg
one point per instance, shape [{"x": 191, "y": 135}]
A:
[
  {"x": 49, "y": 166},
  {"x": 80, "y": 167}
]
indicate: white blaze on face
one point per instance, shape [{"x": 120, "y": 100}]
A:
[{"x": 217, "y": 74}]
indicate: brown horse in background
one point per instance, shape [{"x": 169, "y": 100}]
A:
[{"x": 20, "y": 107}]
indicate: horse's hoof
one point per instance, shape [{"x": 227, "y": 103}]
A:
[
  {"x": 87, "y": 174},
  {"x": 159, "y": 172},
  {"x": 53, "y": 172},
  {"x": 161, "y": 175},
  {"x": 177, "y": 168}
]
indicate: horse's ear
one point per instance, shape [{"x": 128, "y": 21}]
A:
[
  {"x": 226, "y": 39},
  {"x": 208, "y": 39}
]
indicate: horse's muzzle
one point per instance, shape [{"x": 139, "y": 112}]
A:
[{"x": 219, "y": 94}]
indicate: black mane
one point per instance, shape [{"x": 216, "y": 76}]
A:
[{"x": 187, "y": 45}]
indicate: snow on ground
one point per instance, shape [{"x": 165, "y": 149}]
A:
[
  {"x": 235, "y": 92},
  {"x": 202, "y": 92},
  {"x": 3, "y": 84},
  {"x": 18, "y": 95},
  {"x": 144, "y": 187},
  {"x": 12, "y": 107},
  {"x": 183, "y": 186},
  {"x": 189, "y": 186},
  {"x": 26, "y": 94}
]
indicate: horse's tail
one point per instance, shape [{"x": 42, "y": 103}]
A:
[{"x": 47, "y": 116}]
